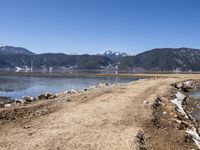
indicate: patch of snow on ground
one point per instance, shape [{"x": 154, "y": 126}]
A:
[
  {"x": 178, "y": 102},
  {"x": 192, "y": 131},
  {"x": 195, "y": 136}
]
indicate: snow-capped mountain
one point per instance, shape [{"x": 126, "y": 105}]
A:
[
  {"x": 113, "y": 54},
  {"x": 160, "y": 59}
]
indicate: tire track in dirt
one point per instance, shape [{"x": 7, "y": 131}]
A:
[{"x": 110, "y": 120}]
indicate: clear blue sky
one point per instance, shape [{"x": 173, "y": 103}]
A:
[{"x": 93, "y": 26}]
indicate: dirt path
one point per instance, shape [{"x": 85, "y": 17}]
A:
[{"x": 106, "y": 121}]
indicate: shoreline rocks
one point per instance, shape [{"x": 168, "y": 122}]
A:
[
  {"x": 28, "y": 99},
  {"x": 185, "y": 86},
  {"x": 7, "y": 102},
  {"x": 4, "y": 101}
]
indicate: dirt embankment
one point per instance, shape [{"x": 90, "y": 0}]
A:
[{"x": 108, "y": 117}]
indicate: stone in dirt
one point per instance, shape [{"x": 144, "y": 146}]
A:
[
  {"x": 48, "y": 94},
  {"x": 185, "y": 86},
  {"x": 74, "y": 91},
  {"x": 42, "y": 96},
  {"x": 18, "y": 101},
  {"x": 1, "y": 105},
  {"x": 157, "y": 103},
  {"x": 5, "y": 100},
  {"x": 102, "y": 84},
  {"x": 7, "y": 105},
  {"x": 28, "y": 99},
  {"x": 140, "y": 138},
  {"x": 188, "y": 84},
  {"x": 68, "y": 92}
]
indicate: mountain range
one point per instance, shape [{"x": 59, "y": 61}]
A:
[{"x": 159, "y": 59}]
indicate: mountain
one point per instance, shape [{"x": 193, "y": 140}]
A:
[
  {"x": 48, "y": 60},
  {"x": 113, "y": 54},
  {"x": 159, "y": 59},
  {"x": 11, "y": 50},
  {"x": 164, "y": 59},
  {"x": 75, "y": 61}
]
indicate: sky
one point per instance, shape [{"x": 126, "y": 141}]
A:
[{"x": 94, "y": 26}]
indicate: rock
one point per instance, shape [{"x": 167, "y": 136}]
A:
[
  {"x": 5, "y": 100},
  {"x": 184, "y": 86},
  {"x": 28, "y": 99},
  {"x": 179, "y": 85},
  {"x": 140, "y": 138},
  {"x": 35, "y": 99},
  {"x": 68, "y": 92},
  {"x": 49, "y": 95},
  {"x": 26, "y": 127},
  {"x": 74, "y": 91},
  {"x": 188, "y": 84},
  {"x": 164, "y": 113},
  {"x": 53, "y": 96},
  {"x": 175, "y": 116},
  {"x": 1, "y": 105},
  {"x": 68, "y": 99},
  {"x": 18, "y": 101},
  {"x": 157, "y": 103},
  {"x": 42, "y": 96},
  {"x": 188, "y": 138},
  {"x": 183, "y": 125},
  {"x": 184, "y": 89},
  {"x": 85, "y": 89},
  {"x": 145, "y": 102},
  {"x": 102, "y": 84},
  {"x": 92, "y": 87},
  {"x": 7, "y": 105}
]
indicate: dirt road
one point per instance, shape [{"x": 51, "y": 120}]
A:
[{"x": 104, "y": 120}]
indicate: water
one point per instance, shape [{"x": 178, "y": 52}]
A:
[
  {"x": 196, "y": 93},
  {"x": 19, "y": 86}
]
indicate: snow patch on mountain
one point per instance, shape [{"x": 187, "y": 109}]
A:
[{"x": 114, "y": 54}]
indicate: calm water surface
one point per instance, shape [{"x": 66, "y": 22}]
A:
[
  {"x": 195, "y": 94},
  {"x": 19, "y": 86}
]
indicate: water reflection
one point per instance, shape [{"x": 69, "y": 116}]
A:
[
  {"x": 18, "y": 86},
  {"x": 10, "y": 84}
]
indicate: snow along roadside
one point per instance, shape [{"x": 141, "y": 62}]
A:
[{"x": 192, "y": 131}]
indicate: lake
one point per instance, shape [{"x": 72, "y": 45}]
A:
[
  {"x": 19, "y": 86},
  {"x": 195, "y": 94}
]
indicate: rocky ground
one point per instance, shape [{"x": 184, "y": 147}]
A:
[{"x": 138, "y": 115}]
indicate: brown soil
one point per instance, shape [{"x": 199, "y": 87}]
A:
[
  {"x": 109, "y": 117},
  {"x": 166, "y": 130}
]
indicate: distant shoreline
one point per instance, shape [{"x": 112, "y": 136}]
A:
[{"x": 92, "y": 74}]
